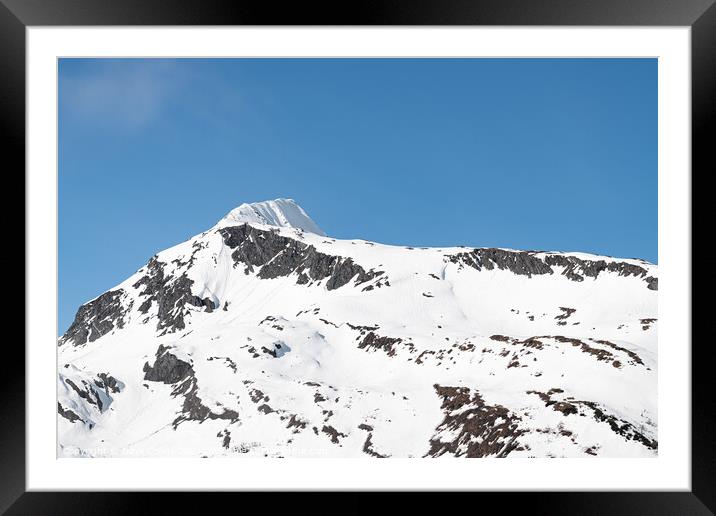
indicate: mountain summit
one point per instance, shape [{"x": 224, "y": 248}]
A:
[
  {"x": 263, "y": 337},
  {"x": 279, "y": 212}
]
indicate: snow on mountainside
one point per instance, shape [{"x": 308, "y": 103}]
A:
[
  {"x": 263, "y": 337},
  {"x": 284, "y": 213}
]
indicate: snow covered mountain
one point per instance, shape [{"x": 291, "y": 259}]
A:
[
  {"x": 283, "y": 213},
  {"x": 263, "y": 337}
]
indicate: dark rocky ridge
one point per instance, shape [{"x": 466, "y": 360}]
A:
[
  {"x": 169, "y": 369},
  {"x": 96, "y": 318},
  {"x": 279, "y": 256},
  {"x": 527, "y": 263},
  {"x": 171, "y": 296}
]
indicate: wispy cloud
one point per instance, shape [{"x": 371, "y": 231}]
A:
[
  {"x": 118, "y": 93},
  {"x": 132, "y": 94}
]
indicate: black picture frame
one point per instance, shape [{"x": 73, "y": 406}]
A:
[{"x": 700, "y": 15}]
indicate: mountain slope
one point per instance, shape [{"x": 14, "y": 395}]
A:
[{"x": 264, "y": 337}]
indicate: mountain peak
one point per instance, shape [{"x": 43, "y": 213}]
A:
[{"x": 278, "y": 212}]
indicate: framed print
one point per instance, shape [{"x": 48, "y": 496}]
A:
[{"x": 265, "y": 250}]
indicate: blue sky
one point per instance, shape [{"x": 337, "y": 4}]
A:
[{"x": 553, "y": 154}]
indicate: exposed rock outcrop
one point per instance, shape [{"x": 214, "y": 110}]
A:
[
  {"x": 169, "y": 369},
  {"x": 171, "y": 295},
  {"x": 279, "y": 256},
  {"x": 376, "y": 342},
  {"x": 96, "y": 318},
  {"x": 83, "y": 396},
  {"x": 471, "y": 427},
  {"x": 68, "y": 414},
  {"x": 529, "y": 263}
]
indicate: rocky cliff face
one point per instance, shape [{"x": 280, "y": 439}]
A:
[
  {"x": 97, "y": 318},
  {"x": 529, "y": 263},
  {"x": 278, "y": 256}
]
